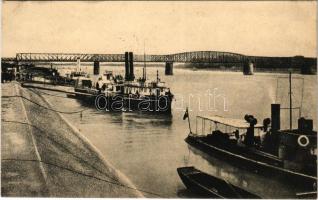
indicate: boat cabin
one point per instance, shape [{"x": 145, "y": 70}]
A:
[
  {"x": 206, "y": 124},
  {"x": 83, "y": 82},
  {"x": 223, "y": 130},
  {"x": 297, "y": 148},
  {"x": 146, "y": 88},
  {"x": 75, "y": 75}
]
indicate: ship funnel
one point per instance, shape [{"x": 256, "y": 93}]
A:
[
  {"x": 275, "y": 116},
  {"x": 127, "y": 69},
  {"x": 129, "y": 66}
]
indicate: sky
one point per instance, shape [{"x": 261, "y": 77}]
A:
[{"x": 271, "y": 28}]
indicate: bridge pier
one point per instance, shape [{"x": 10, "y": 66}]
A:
[
  {"x": 169, "y": 68},
  {"x": 96, "y": 67},
  {"x": 248, "y": 68}
]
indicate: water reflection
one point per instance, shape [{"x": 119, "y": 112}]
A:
[
  {"x": 149, "y": 148},
  {"x": 250, "y": 181}
]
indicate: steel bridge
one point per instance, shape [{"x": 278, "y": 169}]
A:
[{"x": 192, "y": 57}]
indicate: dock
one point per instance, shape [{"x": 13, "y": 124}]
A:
[{"x": 43, "y": 155}]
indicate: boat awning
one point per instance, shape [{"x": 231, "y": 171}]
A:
[{"x": 237, "y": 123}]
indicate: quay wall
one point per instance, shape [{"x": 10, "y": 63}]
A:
[{"x": 73, "y": 166}]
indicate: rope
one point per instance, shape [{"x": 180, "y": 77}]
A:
[
  {"x": 65, "y": 168},
  {"x": 82, "y": 174},
  {"x": 49, "y": 94},
  {"x": 64, "y": 112},
  {"x": 59, "y": 144},
  {"x": 72, "y": 170}
]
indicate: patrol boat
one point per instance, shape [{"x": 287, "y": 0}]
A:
[{"x": 290, "y": 154}]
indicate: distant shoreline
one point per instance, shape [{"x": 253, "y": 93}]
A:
[{"x": 193, "y": 67}]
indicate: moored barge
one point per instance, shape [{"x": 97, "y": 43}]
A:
[{"x": 114, "y": 93}]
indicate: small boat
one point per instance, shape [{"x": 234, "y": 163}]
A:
[
  {"x": 210, "y": 186},
  {"x": 307, "y": 195}
]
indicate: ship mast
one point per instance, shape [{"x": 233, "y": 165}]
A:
[
  {"x": 290, "y": 103},
  {"x": 144, "y": 75}
]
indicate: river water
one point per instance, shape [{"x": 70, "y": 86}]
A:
[{"x": 148, "y": 148}]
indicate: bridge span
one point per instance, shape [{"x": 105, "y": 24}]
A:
[
  {"x": 193, "y": 57},
  {"x": 212, "y": 58}
]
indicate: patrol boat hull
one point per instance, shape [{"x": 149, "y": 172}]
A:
[{"x": 252, "y": 160}]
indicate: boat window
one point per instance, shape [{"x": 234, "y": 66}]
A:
[
  {"x": 78, "y": 83},
  {"x": 258, "y": 132},
  {"x": 87, "y": 83},
  {"x": 202, "y": 126}
]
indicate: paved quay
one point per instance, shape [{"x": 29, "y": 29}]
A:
[{"x": 43, "y": 155}]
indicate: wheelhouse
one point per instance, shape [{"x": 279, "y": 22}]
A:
[
  {"x": 82, "y": 82},
  {"x": 146, "y": 88}
]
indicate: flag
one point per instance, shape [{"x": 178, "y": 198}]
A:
[{"x": 186, "y": 114}]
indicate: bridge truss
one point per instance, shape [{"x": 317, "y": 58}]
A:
[{"x": 192, "y": 57}]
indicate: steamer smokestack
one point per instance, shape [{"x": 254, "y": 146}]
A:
[
  {"x": 275, "y": 116},
  {"x": 127, "y": 69},
  {"x": 131, "y": 66}
]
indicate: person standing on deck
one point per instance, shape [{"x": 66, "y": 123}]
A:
[{"x": 249, "y": 140}]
